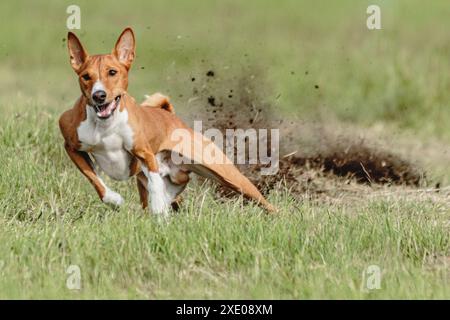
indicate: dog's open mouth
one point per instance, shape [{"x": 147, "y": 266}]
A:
[{"x": 104, "y": 111}]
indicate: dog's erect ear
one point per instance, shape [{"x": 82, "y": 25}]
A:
[
  {"x": 125, "y": 47},
  {"x": 76, "y": 51}
]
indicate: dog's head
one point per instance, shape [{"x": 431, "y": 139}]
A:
[{"x": 103, "y": 78}]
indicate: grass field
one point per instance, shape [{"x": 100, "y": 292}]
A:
[{"x": 317, "y": 62}]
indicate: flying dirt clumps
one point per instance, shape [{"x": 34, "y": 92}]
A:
[{"x": 316, "y": 153}]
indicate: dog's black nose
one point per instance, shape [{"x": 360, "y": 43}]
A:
[{"x": 99, "y": 96}]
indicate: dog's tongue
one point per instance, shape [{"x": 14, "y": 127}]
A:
[{"x": 107, "y": 111}]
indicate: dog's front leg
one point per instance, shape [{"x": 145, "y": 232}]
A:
[
  {"x": 172, "y": 189},
  {"x": 160, "y": 201},
  {"x": 84, "y": 164}
]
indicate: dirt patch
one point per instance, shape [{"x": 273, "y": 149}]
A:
[
  {"x": 359, "y": 165},
  {"x": 309, "y": 153}
]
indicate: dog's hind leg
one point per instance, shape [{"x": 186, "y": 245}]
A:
[
  {"x": 173, "y": 191},
  {"x": 142, "y": 182}
]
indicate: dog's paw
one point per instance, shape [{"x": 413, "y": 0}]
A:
[
  {"x": 112, "y": 198},
  {"x": 159, "y": 206}
]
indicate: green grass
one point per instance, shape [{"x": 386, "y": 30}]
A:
[{"x": 50, "y": 217}]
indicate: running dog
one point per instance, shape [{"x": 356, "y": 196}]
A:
[{"x": 107, "y": 129}]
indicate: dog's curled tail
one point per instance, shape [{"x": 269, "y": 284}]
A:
[{"x": 158, "y": 100}]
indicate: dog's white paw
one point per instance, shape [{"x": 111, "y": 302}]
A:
[
  {"x": 158, "y": 205},
  {"x": 112, "y": 198}
]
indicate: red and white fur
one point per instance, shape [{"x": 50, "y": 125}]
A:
[{"x": 108, "y": 131}]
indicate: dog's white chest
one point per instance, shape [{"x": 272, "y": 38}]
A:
[{"x": 108, "y": 141}]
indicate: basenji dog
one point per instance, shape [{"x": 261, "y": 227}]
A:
[{"x": 107, "y": 130}]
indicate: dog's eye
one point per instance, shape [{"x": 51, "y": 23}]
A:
[
  {"x": 112, "y": 72},
  {"x": 86, "y": 77}
]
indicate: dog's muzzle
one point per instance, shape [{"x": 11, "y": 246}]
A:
[{"x": 104, "y": 111}]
